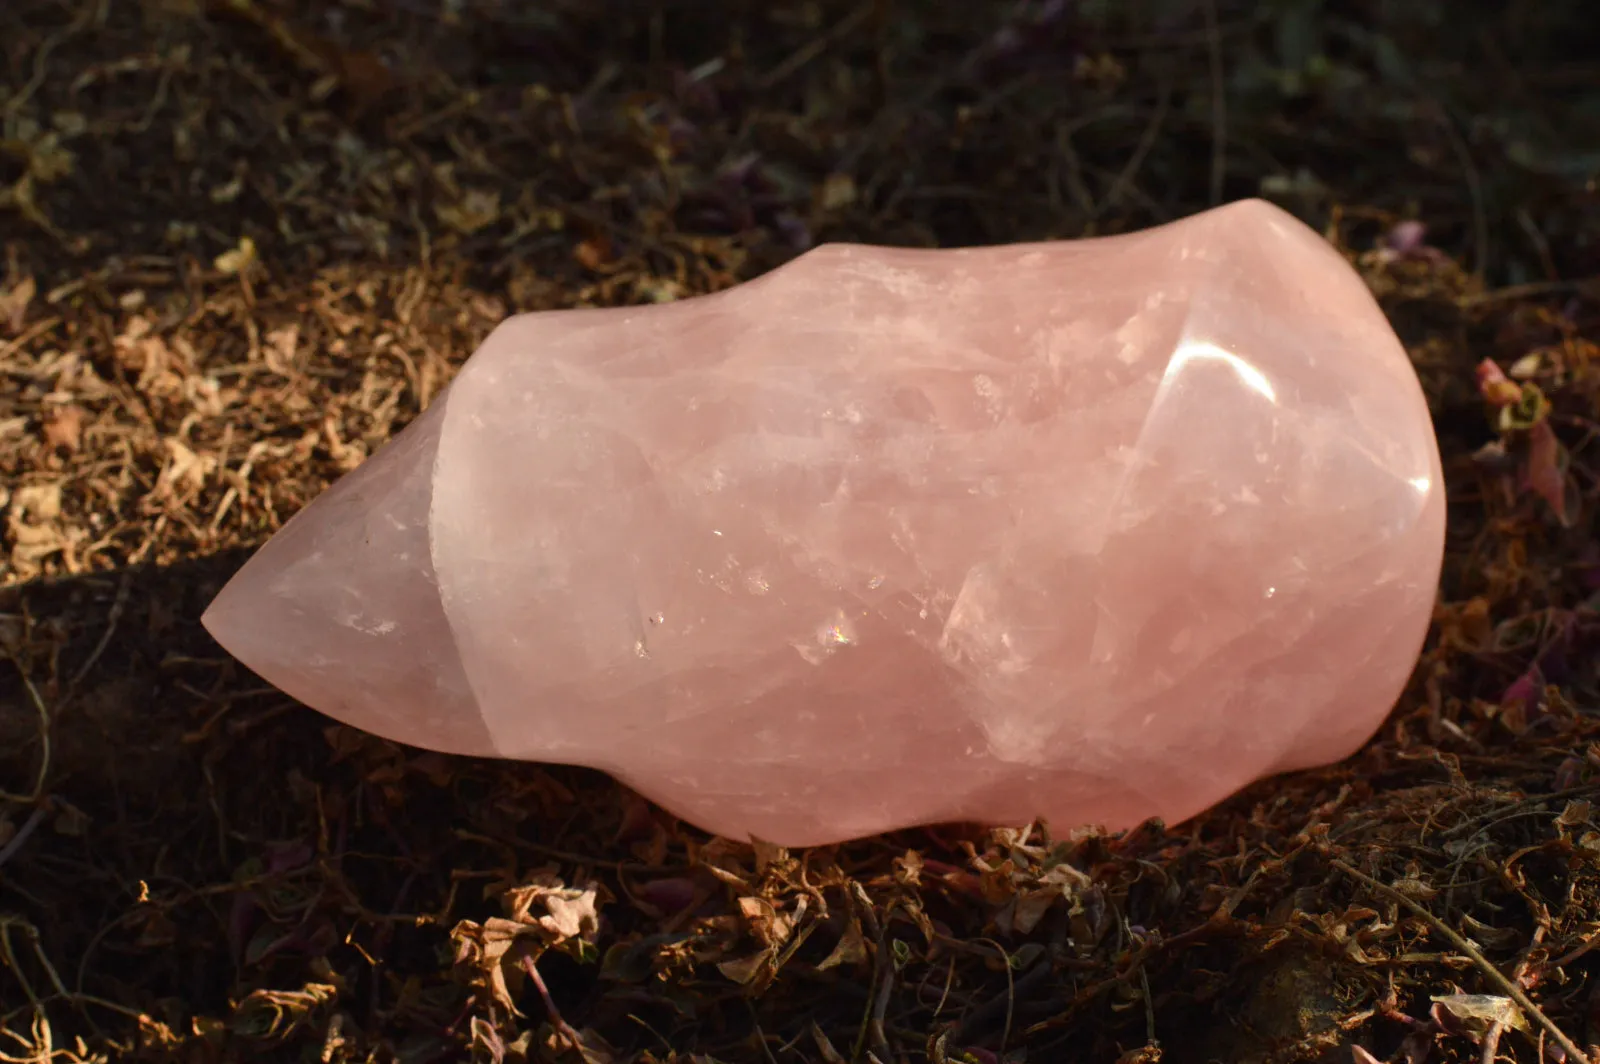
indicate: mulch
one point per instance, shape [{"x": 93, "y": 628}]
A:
[{"x": 245, "y": 241}]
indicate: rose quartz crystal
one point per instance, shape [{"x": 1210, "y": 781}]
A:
[{"x": 1091, "y": 531}]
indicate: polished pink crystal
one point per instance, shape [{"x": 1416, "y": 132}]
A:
[{"x": 1092, "y": 531}]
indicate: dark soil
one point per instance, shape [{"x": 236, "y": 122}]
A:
[{"x": 247, "y": 240}]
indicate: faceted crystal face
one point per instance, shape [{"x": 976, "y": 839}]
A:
[{"x": 1091, "y": 531}]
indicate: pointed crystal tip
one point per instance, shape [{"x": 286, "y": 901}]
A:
[{"x": 341, "y": 608}]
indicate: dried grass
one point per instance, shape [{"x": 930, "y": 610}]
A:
[{"x": 246, "y": 241}]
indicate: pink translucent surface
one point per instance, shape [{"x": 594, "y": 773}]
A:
[{"x": 1091, "y": 530}]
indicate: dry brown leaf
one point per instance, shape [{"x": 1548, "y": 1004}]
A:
[
  {"x": 1547, "y": 469},
  {"x": 271, "y": 1015},
  {"x": 745, "y": 970},
  {"x": 1030, "y": 907},
  {"x": 36, "y": 503},
  {"x": 766, "y": 923},
  {"x": 237, "y": 260},
  {"x": 541, "y": 914},
  {"x": 279, "y": 347},
  {"x": 769, "y": 855},
  {"x": 851, "y": 948},
  {"x": 1477, "y": 1014},
  {"x": 14, "y": 302},
  {"x": 837, "y": 191},
  {"x": 63, "y": 428},
  {"x": 475, "y": 210},
  {"x": 593, "y": 254},
  {"x": 570, "y": 912},
  {"x": 33, "y": 522},
  {"x": 185, "y": 471}
]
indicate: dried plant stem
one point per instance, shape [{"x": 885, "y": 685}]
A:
[
  {"x": 43, "y": 772},
  {"x": 118, "y": 604},
  {"x": 35, "y": 818},
  {"x": 1493, "y": 974},
  {"x": 563, "y": 1028}
]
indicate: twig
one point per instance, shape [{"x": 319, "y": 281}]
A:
[
  {"x": 35, "y": 818},
  {"x": 1493, "y": 974},
  {"x": 118, "y": 604},
  {"x": 981, "y": 1015},
  {"x": 1150, "y": 1039},
  {"x": 563, "y": 1028},
  {"x": 1147, "y": 140},
  {"x": 44, "y": 739},
  {"x": 761, "y": 1036},
  {"x": 1580, "y": 286},
  {"x": 880, "y": 1011},
  {"x": 883, "y": 973},
  {"x": 825, "y": 1045},
  {"x": 892, "y": 118},
  {"x": 9, "y": 956},
  {"x": 41, "y": 65},
  {"x": 1491, "y": 1042},
  {"x": 33, "y": 332},
  {"x": 1469, "y": 171},
  {"x": 814, "y": 48}
]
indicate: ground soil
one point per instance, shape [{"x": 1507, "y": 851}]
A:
[{"x": 246, "y": 241}]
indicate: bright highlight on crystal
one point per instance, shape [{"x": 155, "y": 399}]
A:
[{"x": 1092, "y": 531}]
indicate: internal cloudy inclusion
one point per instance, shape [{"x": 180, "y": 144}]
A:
[{"x": 1093, "y": 530}]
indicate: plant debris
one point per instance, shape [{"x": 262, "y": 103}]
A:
[{"x": 246, "y": 241}]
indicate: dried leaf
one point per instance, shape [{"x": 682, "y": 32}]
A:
[
  {"x": 36, "y": 534},
  {"x": 237, "y": 260},
  {"x": 770, "y": 927},
  {"x": 185, "y": 471},
  {"x": 666, "y": 896},
  {"x": 475, "y": 210},
  {"x": 908, "y": 869},
  {"x": 272, "y": 1015},
  {"x": 542, "y": 914},
  {"x": 851, "y": 948},
  {"x": 1576, "y": 812},
  {"x": 1547, "y": 469},
  {"x": 838, "y": 191},
  {"x": 570, "y": 912},
  {"x": 1526, "y": 367},
  {"x": 825, "y": 1047},
  {"x": 1497, "y": 389},
  {"x": 1530, "y": 408},
  {"x": 486, "y": 1040},
  {"x": 14, "y": 303},
  {"x": 769, "y": 855},
  {"x": 1415, "y": 888},
  {"x": 1476, "y": 1014},
  {"x": 36, "y": 503},
  {"x": 744, "y": 970},
  {"x": 1030, "y": 908},
  {"x": 279, "y": 347},
  {"x": 593, "y": 254},
  {"x": 1523, "y": 694},
  {"x": 63, "y": 428}
]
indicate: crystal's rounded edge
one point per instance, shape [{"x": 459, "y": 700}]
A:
[
  {"x": 1421, "y": 543},
  {"x": 1420, "y": 538},
  {"x": 1427, "y": 575}
]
